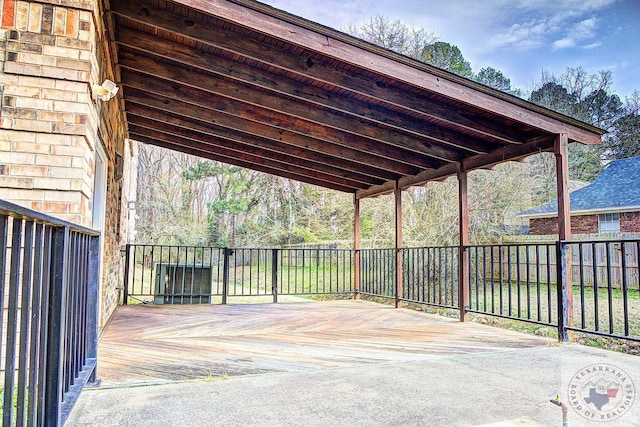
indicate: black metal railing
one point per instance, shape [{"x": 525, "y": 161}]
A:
[
  {"x": 605, "y": 282},
  {"x": 430, "y": 276},
  {"x": 516, "y": 281},
  {"x": 378, "y": 272},
  {"x": 49, "y": 296},
  {"x": 315, "y": 271},
  {"x": 193, "y": 274},
  {"x": 513, "y": 281},
  {"x": 599, "y": 291}
]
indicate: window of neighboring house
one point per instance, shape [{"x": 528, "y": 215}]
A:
[{"x": 609, "y": 223}]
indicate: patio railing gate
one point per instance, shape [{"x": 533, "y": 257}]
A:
[{"x": 48, "y": 300}]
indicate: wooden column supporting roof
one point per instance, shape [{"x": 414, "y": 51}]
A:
[{"x": 243, "y": 83}]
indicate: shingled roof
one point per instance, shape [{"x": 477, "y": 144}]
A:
[{"x": 617, "y": 188}]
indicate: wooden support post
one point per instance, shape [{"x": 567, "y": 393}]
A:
[
  {"x": 356, "y": 247},
  {"x": 565, "y": 289},
  {"x": 398, "y": 245},
  {"x": 463, "y": 260},
  {"x": 562, "y": 169}
]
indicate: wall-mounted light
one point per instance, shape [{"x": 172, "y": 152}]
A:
[{"x": 105, "y": 91}]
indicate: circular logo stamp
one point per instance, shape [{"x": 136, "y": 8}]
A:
[{"x": 601, "y": 392}]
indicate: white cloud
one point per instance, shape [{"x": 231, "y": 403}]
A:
[
  {"x": 546, "y": 23},
  {"x": 592, "y": 45},
  {"x": 579, "y": 32},
  {"x": 564, "y": 43},
  {"x": 585, "y": 29}
]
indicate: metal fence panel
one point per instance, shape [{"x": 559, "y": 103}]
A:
[{"x": 48, "y": 300}]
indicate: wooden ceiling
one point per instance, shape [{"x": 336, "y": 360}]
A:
[{"x": 245, "y": 84}]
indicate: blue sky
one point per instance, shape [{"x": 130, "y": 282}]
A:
[{"x": 521, "y": 38}]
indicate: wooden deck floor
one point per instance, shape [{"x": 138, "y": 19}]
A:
[{"x": 156, "y": 343}]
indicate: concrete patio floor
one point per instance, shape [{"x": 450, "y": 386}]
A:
[{"x": 337, "y": 363}]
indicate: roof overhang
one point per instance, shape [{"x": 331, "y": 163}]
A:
[{"x": 243, "y": 83}]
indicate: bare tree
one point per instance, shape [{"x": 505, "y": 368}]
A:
[{"x": 394, "y": 35}]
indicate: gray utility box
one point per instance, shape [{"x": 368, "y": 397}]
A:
[{"x": 182, "y": 284}]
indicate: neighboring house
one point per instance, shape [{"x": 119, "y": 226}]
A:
[{"x": 610, "y": 204}]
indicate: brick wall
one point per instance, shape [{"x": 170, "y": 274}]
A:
[
  {"x": 46, "y": 162},
  {"x": 51, "y": 52},
  {"x": 584, "y": 224},
  {"x": 630, "y": 222}
]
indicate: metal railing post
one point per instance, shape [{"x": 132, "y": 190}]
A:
[
  {"x": 274, "y": 274},
  {"x": 464, "y": 283},
  {"x": 56, "y": 327},
  {"x": 93, "y": 279},
  {"x": 8, "y": 416},
  {"x": 225, "y": 274},
  {"x": 357, "y": 278},
  {"x": 125, "y": 287},
  {"x": 561, "y": 290}
]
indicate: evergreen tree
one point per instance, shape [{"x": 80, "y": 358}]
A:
[{"x": 448, "y": 57}]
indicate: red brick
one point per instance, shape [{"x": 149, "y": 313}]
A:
[
  {"x": 47, "y": 19},
  {"x": 50, "y": 207},
  {"x": 28, "y": 171},
  {"x": 8, "y": 14},
  {"x": 21, "y": 16},
  {"x": 59, "y": 21},
  {"x": 51, "y": 116},
  {"x": 43, "y": 39},
  {"x": 580, "y": 224},
  {"x": 630, "y": 222},
  {"x": 72, "y": 23},
  {"x": 35, "y": 17}
]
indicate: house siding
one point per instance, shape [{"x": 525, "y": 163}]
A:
[
  {"x": 584, "y": 224},
  {"x": 51, "y": 52}
]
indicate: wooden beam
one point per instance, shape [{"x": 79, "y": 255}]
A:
[
  {"x": 237, "y": 141},
  {"x": 463, "y": 259},
  {"x": 290, "y": 142},
  {"x": 239, "y": 159},
  {"x": 321, "y": 122},
  {"x": 377, "y": 190},
  {"x": 503, "y": 154},
  {"x": 500, "y": 155},
  {"x": 397, "y": 191},
  {"x": 438, "y": 137},
  {"x": 331, "y": 44},
  {"x": 387, "y": 156},
  {"x": 561, "y": 151},
  {"x": 356, "y": 247},
  {"x": 233, "y": 161}
]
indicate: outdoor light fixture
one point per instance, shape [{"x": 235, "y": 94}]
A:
[{"x": 105, "y": 91}]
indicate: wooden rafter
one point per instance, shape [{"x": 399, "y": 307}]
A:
[{"x": 246, "y": 84}]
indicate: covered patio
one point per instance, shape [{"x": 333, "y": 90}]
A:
[
  {"x": 333, "y": 362},
  {"x": 242, "y": 83},
  {"x": 249, "y": 85}
]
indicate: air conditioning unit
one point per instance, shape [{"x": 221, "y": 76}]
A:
[{"x": 182, "y": 284}]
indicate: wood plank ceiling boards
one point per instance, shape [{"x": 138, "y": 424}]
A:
[{"x": 243, "y": 83}]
